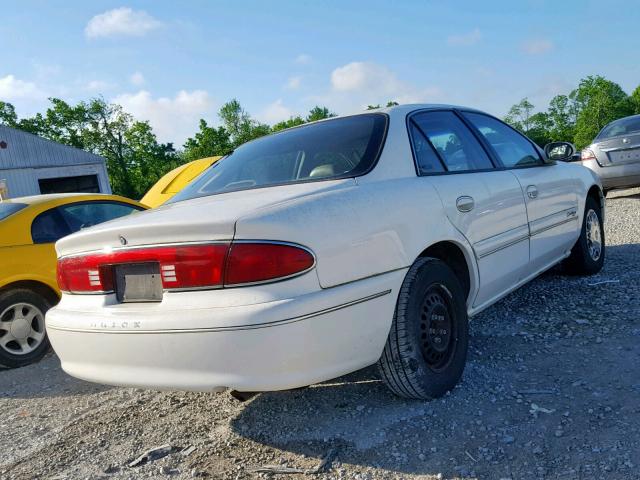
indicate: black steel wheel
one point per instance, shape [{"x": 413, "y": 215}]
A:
[{"x": 426, "y": 350}]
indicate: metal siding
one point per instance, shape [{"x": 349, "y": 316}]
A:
[
  {"x": 27, "y": 150},
  {"x": 29, "y": 157}
]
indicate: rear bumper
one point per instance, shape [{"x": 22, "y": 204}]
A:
[
  {"x": 618, "y": 176},
  {"x": 267, "y": 346}
]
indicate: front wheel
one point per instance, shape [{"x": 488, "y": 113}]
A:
[
  {"x": 23, "y": 338},
  {"x": 426, "y": 349},
  {"x": 587, "y": 255}
]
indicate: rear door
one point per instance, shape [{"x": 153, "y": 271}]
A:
[
  {"x": 485, "y": 204},
  {"x": 549, "y": 190}
]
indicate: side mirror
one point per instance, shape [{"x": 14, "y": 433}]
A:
[{"x": 562, "y": 151}]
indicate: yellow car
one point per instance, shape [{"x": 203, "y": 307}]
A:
[
  {"x": 176, "y": 180},
  {"x": 29, "y": 228}
]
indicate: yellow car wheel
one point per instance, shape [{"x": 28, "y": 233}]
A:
[{"x": 23, "y": 338}]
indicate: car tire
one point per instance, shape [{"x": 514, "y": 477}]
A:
[
  {"x": 426, "y": 349},
  {"x": 23, "y": 338},
  {"x": 587, "y": 255}
]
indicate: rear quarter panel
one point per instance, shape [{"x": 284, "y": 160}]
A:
[{"x": 360, "y": 230}]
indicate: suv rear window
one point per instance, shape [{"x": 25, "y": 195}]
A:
[
  {"x": 331, "y": 149},
  {"x": 7, "y": 209}
]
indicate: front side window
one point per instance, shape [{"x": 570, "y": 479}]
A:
[
  {"x": 331, "y": 149},
  {"x": 513, "y": 149},
  {"x": 87, "y": 214},
  {"x": 453, "y": 142}
]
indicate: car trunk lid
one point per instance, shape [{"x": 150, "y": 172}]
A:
[
  {"x": 204, "y": 219},
  {"x": 619, "y": 150}
]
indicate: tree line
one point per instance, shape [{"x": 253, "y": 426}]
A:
[
  {"x": 578, "y": 116},
  {"x": 135, "y": 158}
]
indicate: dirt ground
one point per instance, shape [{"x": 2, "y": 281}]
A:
[{"x": 551, "y": 390}]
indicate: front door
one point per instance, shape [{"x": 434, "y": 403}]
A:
[
  {"x": 549, "y": 190},
  {"x": 485, "y": 204}
]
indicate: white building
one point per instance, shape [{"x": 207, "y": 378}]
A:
[{"x": 31, "y": 165}]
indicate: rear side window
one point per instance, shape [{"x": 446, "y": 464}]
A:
[
  {"x": 338, "y": 148},
  {"x": 7, "y": 209},
  {"x": 84, "y": 215},
  {"x": 49, "y": 227},
  {"x": 426, "y": 157},
  {"x": 513, "y": 149},
  {"x": 52, "y": 225},
  {"x": 454, "y": 144}
]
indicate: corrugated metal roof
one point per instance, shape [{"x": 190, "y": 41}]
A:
[{"x": 25, "y": 150}]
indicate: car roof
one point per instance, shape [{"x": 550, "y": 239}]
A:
[{"x": 412, "y": 107}]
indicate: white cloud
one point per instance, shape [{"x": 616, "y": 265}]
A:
[
  {"x": 303, "y": 59},
  {"x": 537, "y": 46},
  {"x": 358, "y": 84},
  {"x": 121, "y": 21},
  {"x": 275, "y": 112},
  {"x": 378, "y": 83},
  {"x": 98, "y": 86},
  {"x": 12, "y": 88},
  {"x": 465, "y": 39},
  {"x": 293, "y": 83},
  {"x": 137, "y": 79},
  {"x": 173, "y": 119}
]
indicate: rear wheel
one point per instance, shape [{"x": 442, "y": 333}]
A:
[
  {"x": 23, "y": 338},
  {"x": 426, "y": 349},
  {"x": 587, "y": 255}
]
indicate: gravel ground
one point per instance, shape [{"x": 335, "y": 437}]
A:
[{"x": 551, "y": 390}]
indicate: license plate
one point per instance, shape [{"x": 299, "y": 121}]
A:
[
  {"x": 624, "y": 156},
  {"x": 139, "y": 282}
]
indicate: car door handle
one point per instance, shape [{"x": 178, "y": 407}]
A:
[
  {"x": 465, "y": 204},
  {"x": 532, "y": 191}
]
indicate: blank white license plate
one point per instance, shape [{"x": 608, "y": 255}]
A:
[{"x": 139, "y": 282}]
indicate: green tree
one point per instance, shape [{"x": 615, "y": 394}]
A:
[
  {"x": 519, "y": 115},
  {"x": 562, "y": 115},
  {"x": 390, "y": 103},
  {"x": 291, "y": 122},
  {"x": 539, "y": 128},
  {"x": 635, "y": 100},
  {"x": 599, "y": 101},
  {"x": 319, "y": 113},
  {"x": 8, "y": 115},
  {"x": 207, "y": 142},
  {"x": 240, "y": 125}
]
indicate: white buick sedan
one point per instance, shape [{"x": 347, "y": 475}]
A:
[{"x": 314, "y": 252}]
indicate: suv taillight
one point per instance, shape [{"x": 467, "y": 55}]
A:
[{"x": 188, "y": 266}]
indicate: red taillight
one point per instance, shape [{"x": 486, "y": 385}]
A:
[
  {"x": 259, "y": 262},
  {"x": 587, "y": 154},
  {"x": 187, "y": 266},
  {"x": 184, "y": 266}
]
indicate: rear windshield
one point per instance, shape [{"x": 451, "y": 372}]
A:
[
  {"x": 621, "y": 127},
  {"x": 7, "y": 209},
  {"x": 339, "y": 148}
]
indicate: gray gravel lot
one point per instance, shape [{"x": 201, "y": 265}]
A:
[{"x": 552, "y": 390}]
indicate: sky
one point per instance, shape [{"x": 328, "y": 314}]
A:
[{"x": 172, "y": 63}]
